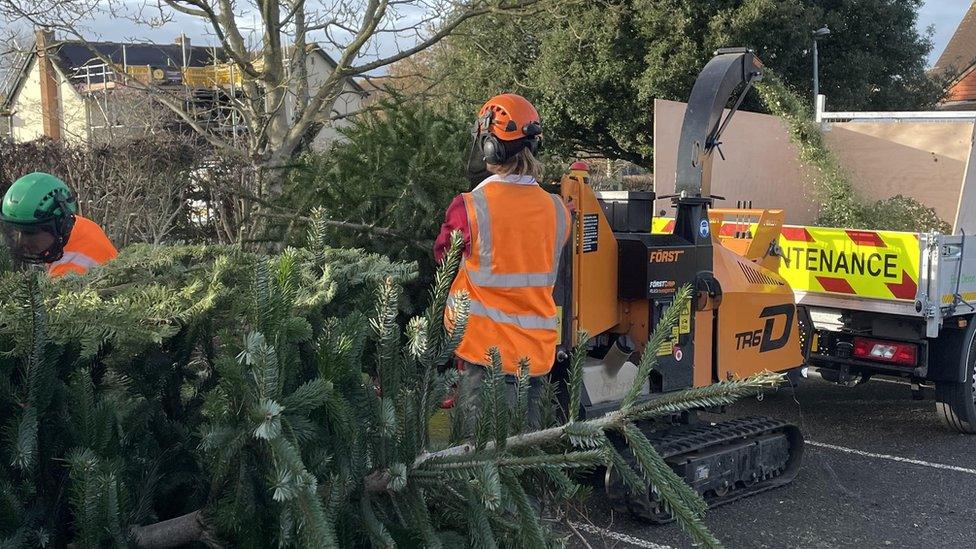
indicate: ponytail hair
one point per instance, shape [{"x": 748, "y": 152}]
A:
[{"x": 523, "y": 163}]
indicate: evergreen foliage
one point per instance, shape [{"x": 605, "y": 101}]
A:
[
  {"x": 390, "y": 180},
  {"x": 281, "y": 401},
  {"x": 6, "y": 261},
  {"x": 594, "y": 69}
]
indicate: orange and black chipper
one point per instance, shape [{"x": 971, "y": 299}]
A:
[{"x": 618, "y": 278}]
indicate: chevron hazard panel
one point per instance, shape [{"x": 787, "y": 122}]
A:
[{"x": 874, "y": 264}]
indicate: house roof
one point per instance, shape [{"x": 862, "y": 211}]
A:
[
  {"x": 960, "y": 52},
  {"x": 70, "y": 55},
  {"x": 12, "y": 82}
]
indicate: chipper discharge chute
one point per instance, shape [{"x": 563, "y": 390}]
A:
[{"x": 619, "y": 278}]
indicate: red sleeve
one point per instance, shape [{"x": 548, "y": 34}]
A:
[{"x": 455, "y": 219}]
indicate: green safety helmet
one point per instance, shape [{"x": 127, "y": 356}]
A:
[{"x": 37, "y": 215}]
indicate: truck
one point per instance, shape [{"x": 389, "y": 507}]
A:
[{"x": 871, "y": 302}]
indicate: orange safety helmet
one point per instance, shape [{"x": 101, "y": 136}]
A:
[
  {"x": 507, "y": 123},
  {"x": 511, "y": 117}
]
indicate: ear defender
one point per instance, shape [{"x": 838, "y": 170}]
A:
[
  {"x": 507, "y": 123},
  {"x": 492, "y": 148}
]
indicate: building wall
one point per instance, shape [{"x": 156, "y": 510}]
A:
[
  {"x": 74, "y": 112},
  {"x": 925, "y": 161},
  {"x": 5, "y": 122},
  {"x": 349, "y": 101},
  {"x": 27, "y": 121}
]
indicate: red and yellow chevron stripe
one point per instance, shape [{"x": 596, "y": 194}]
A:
[{"x": 874, "y": 264}]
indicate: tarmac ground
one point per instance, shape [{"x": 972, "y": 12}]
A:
[{"x": 878, "y": 470}]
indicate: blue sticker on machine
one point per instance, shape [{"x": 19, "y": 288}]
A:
[{"x": 703, "y": 228}]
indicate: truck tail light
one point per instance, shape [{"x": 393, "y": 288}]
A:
[{"x": 894, "y": 352}]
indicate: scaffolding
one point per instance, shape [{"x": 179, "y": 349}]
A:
[{"x": 208, "y": 92}]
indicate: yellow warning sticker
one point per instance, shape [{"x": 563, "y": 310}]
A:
[
  {"x": 684, "y": 321},
  {"x": 666, "y": 348}
]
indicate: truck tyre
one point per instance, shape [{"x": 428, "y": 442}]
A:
[{"x": 955, "y": 402}]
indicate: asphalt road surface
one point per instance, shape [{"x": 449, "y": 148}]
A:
[{"x": 878, "y": 470}]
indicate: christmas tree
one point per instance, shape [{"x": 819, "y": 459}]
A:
[{"x": 203, "y": 394}]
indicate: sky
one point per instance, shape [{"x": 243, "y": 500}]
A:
[{"x": 944, "y": 17}]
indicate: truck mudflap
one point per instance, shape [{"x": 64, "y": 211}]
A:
[{"x": 723, "y": 462}]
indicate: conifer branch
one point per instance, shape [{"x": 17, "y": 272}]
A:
[
  {"x": 712, "y": 395},
  {"x": 521, "y": 396},
  {"x": 307, "y": 422},
  {"x": 575, "y": 378}
]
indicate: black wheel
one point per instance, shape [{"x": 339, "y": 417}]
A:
[{"x": 955, "y": 402}]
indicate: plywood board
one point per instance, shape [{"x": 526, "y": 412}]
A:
[
  {"x": 965, "y": 219},
  {"x": 760, "y": 163},
  {"x": 925, "y": 161},
  {"x": 922, "y": 160}
]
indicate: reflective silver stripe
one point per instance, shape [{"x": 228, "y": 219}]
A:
[
  {"x": 483, "y": 221},
  {"x": 528, "y": 322},
  {"x": 484, "y": 277},
  {"x": 76, "y": 257},
  {"x": 512, "y": 280}
]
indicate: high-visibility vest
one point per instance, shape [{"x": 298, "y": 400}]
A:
[
  {"x": 87, "y": 246},
  {"x": 518, "y": 231}
]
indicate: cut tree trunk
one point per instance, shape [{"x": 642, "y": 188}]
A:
[{"x": 170, "y": 533}]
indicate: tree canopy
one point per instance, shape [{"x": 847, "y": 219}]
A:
[{"x": 595, "y": 68}]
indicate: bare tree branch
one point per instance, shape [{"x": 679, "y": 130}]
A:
[
  {"x": 444, "y": 32},
  {"x": 271, "y": 80}
]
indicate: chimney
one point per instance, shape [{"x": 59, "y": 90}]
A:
[
  {"x": 182, "y": 40},
  {"x": 50, "y": 91}
]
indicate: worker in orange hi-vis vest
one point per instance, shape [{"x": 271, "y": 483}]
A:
[
  {"x": 41, "y": 226},
  {"x": 514, "y": 233}
]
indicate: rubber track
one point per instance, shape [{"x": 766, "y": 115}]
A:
[{"x": 680, "y": 440}]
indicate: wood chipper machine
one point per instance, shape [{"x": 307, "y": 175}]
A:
[{"x": 618, "y": 279}]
